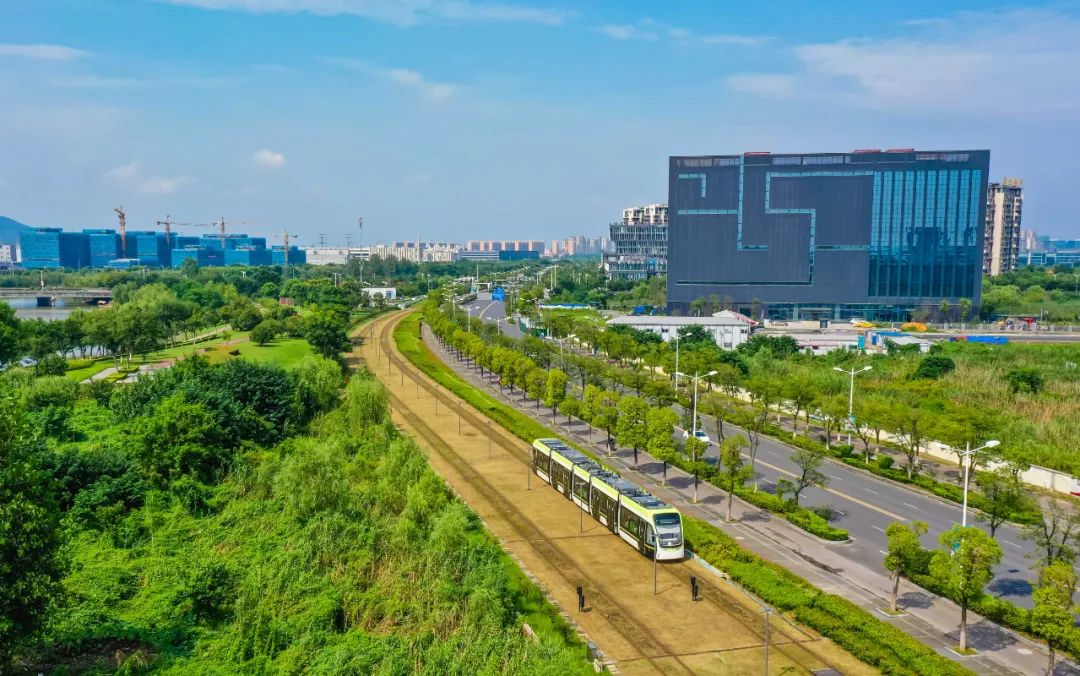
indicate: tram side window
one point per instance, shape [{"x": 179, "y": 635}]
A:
[
  {"x": 541, "y": 461},
  {"x": 631, "y": 523},
  {"x": 581, "y": 488}
]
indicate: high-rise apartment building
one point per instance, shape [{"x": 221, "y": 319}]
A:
[
  {"x": 883, "y": 235},
  {"x": 639, "y": 243},
  {"x": 1001, "y": 243},
  {"x": 650, "y": 214}
]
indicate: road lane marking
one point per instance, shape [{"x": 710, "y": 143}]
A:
[
  {"x": 1012, "y": 543},
  {"x": 880, "y": 530},
  {"x": 857, "y": 501},
  {"x": 908, "y": 504},
  {"x": 870, "y": 490}
]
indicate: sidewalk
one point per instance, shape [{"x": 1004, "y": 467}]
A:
[{"x": 931, "y": 619}]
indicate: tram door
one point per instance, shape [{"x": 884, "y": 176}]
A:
[{"x": 650, "y": 540}]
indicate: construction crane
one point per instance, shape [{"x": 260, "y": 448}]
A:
[
  {"x": 123, "y": 231},
  {"x": 220, "y": 224}
]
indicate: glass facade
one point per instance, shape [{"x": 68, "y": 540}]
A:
[
  {"x": 104, "y": 246},
  {"x": 924, "y": 231},
  {"x": 40, "y": 248}
]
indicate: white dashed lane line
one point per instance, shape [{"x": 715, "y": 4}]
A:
[{"x": 880, "y": 530}]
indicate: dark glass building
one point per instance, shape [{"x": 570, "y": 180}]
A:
[
  {"x": 874, "y": 234},
  {"x": 104, "y": 246}
]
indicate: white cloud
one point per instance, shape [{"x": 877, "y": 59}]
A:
[
  {"x": 767, "y": 85},
  {"x": 132, "y": 177},
  {"x": 412, "y": 79},
  {"x": 981, "y": 63},
  {"x": 268, "y": 158},
  {"x": 397, "y": 12},
  {"x": 627, "y": 32},
  {"x": 650, "y": 30},
  {"x": 43, "y": 52}
]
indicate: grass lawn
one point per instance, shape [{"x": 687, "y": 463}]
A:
[{"x": 280, "y": 352}]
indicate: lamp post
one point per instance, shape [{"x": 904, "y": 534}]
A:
[
  {"x": 851, "y": 394},
  {"x": 969, "y": 455},
  {"x": 696, "y": 377},
  {"x": 676, "y": 362}
]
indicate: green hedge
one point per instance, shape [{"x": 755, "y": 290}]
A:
[{"x": 868, "y": 638}]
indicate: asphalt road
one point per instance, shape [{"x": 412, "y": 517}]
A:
[
  {"x": 493, "y": 311},
  {"x": 865, "y": 504}
]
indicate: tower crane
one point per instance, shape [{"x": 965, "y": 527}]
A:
[{"x": 123, "y": 231}]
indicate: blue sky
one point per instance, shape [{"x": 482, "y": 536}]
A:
[{"x": 460, "y": 119}]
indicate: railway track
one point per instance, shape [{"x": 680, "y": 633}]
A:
[{"x": 788, "y": 640}]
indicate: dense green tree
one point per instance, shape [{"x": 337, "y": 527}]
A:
[
  {"x": 29, "y": 531},
  {"x": 181, "y": 438},
  {"x": 570, "y": 407},
  {"x": 9, "y": 334},
  {"x": 631, "y": 429},
  {"x": 1053, "y": 616},
  {"x": 1027, "y": 380},
  {"x": 265, "y": 331},
  {"x": 555, "y": 389},
  {"x": 963, "y": 566},
  {"x": 695, "y": 448},
  {"x": 318, "y": 381},
  {"x": 904, "y": 550},
  {"x": 326, "y": 331},
  {"x": 660, "y": 430}
]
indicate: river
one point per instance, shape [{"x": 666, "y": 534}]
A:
[{"x": 27, "y": 308}]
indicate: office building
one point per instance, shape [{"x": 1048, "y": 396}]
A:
[
  {"x": 1001, "y": 242},
  {"x": 149, "y": 247},
  {"x": 639, "y": 244},
  {"x": 884, "y": 235},
  {"x": 7, "y": 255},
  {"x": 54, "y": 248},
  {"x": 104, "y": 246}
]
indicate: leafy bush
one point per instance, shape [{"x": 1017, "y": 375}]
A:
[
  {"x": 1024, "y": 380},
  {"x": 885, "y": 462},
  {"x": 933, "y": 367},
  {"x": 815, "y": 525}
]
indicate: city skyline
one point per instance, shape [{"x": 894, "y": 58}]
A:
[{"x": 468, "y": 117}]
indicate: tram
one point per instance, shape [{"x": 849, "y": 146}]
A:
[{"x": 641, "y": 519}]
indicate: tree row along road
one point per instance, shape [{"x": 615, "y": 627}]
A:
[
  {"x": 854, "y": 569},
  {"x": 867, "y": 504},
  {"x": 641, "y": 632}
]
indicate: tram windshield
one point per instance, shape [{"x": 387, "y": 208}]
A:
[{"x": 667, "y": 520}]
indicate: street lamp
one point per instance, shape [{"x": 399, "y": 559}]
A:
[
  {"x": 851, "y": 394},
  {"x": 969, "y": 455},
  {"x": 695, "y": 378},
  {"x": 676, "y": 362}
]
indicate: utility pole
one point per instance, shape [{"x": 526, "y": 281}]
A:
[{"x": 322, "y": 239}]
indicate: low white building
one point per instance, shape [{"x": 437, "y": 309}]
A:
[
  {"x": 388, "y": 292},
  {"x": 333, "y": 255},
  {"x": 729, "y": 329}
]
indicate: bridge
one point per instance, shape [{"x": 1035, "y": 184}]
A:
[{"x": 48, "y": 295}]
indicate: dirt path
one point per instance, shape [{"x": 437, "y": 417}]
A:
[{"x": 641, "y": 632}]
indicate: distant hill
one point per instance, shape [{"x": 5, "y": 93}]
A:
[{"x": 9, "y": 230}]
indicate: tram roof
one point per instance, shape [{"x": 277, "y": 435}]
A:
[{"x": 623, "y": 486}]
